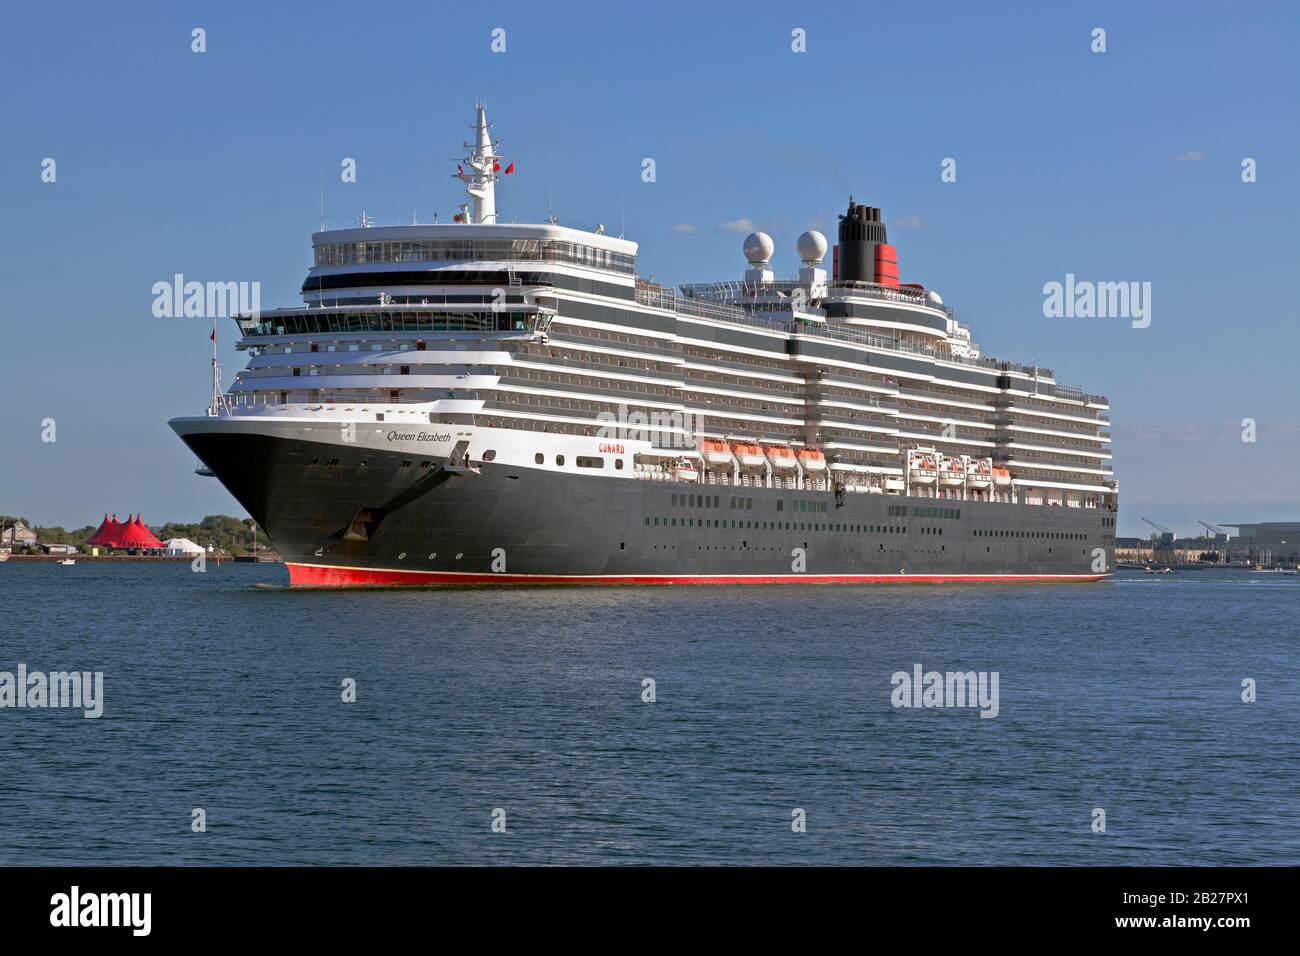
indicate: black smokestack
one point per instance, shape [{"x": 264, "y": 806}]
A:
[{"x": 860, "y": 232}]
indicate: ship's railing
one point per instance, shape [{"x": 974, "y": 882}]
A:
[{"x": 884, "y": 293}]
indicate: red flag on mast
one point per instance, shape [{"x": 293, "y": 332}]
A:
[{"x": 510, "y": 169}]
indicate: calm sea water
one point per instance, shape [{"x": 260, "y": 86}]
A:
[{"x": 1123, "y": 696}]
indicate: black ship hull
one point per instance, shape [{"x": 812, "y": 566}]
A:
[{"x": 354, "y": 516}]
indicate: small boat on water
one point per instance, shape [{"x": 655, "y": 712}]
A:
[
  {"x": 68, "y": 561},
  {"x": 1159, "y": 571}
]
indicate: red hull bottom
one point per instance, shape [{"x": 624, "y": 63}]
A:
[{"x": 323, "y": 576}]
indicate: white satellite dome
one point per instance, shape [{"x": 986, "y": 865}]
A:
[
  {"x": 934, "y": 297},
  {"x": 811, "y": 247},
  {"x": 759, "y": 248}
]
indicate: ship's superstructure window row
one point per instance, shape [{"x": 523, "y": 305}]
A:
[{"x": 473, "y": 250}]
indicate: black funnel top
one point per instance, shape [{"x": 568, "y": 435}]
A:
[{"x": 860, "y": 232}]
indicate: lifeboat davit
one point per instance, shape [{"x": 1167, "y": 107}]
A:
[
  {"x": 750, "y": 455},
  {"x": 811, "y": 459},
  {"x": 716, "y": 452},
  {"x": 1001, "y": 477},
  {"x": 780, "y": 456},
  {"x": 952, "y": 473},
  {"x": 979, "y": 474}
]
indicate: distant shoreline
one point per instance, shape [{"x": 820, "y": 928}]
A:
[{"x": 120, "y": 558}]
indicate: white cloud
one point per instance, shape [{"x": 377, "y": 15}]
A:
[
  {"x": 737, "y": 225},
  {"x": 909, "y": 222},
  {"x": 1189, "y": 156},
  {"x": 685, "y": 227}
]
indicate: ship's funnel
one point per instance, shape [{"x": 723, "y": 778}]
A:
[{"x": 861, "y": 231}]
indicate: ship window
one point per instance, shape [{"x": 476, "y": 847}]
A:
[
  {"x": 406, "y": 464},
  {"x": 618, "y": 464},
  {"x": 559, "y": 459},
  {"x": 490, "y": 455},
  {"x": 539, "y": 458},
  {"x": 589, "y": 462}
]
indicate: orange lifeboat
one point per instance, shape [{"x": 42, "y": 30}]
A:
[
  {"x": 750, "y": 455},
  {"x": 922, "y": 468},
  {"x": 1001, "y": 477},
  {"x": 716, "y": 452},
  {"x": 953, "y": 472},
  {"x": 811, "y": 459},
  {"x": 780, "y": 456},
  {"x": 979, "y": 473}
]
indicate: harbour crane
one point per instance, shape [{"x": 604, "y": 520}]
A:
[
  {"x": 1163, "y": 542},
  {"x": 1165, "y": 533},
  {"x": 1216, "y": 533}
]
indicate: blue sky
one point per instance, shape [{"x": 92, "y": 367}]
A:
[{"x": 1123, "y": 165}]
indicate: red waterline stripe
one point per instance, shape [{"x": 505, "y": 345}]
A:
[{"x": 313, "y": 575}]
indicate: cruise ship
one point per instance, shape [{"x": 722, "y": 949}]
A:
[{"x": 478, "y": 402}]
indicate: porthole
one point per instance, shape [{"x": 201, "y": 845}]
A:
[
  {"x": 539, "y": 458},
  {"x": 490, "y": 455}
]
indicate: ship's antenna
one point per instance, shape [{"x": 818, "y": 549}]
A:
[
  {"x": 480, "y": 171},
  {"x": 218, "y": 400},
  {"x": 322, "y": 195}
]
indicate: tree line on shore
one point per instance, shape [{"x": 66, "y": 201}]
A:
[{"x": 223, "y": 532}]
